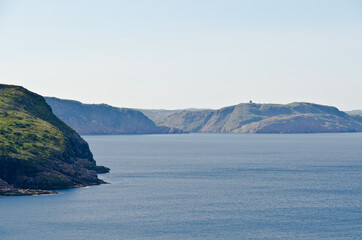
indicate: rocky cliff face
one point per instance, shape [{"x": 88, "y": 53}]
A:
[
  {"x": 104, "y": 119},
  {"x": 37, "y": 150},
  {"x": 264, "y": 118}
]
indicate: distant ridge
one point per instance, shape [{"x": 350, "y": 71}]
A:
[
  {"x": 298, "y": 117},
  {"x": 359, "y": 112},
  {"x": 104, "y": 119}
]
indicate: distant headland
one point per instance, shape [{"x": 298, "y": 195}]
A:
[
  {"x": 40, "y": 153},
  {"x": 298, "y": 117}
]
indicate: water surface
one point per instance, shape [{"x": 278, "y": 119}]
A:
[{"x": 205, "y": 186}]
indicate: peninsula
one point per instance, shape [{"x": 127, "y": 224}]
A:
[
  {"x": 297, "y": 117},
  {"x": 95, "y": 119},
  {"x": 38, "y": 152}
]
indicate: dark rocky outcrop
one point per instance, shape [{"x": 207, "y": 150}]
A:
[
  {"x": 8, "y": 190},
  {"x": 39, "y": 152}
]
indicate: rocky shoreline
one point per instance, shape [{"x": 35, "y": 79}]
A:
[
  {"x": 24, "y": 192},
  {"x": 8, "y": 190}
]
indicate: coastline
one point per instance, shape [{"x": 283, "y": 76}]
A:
[{"x": 8, "y": 190}]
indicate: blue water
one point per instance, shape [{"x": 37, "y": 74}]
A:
[{"x": 205, "y": 186}]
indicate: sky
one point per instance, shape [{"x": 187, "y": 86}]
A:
[{"x": 185, "y": 54}]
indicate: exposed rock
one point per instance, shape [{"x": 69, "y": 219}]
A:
[{"x": 38, "y": 152}]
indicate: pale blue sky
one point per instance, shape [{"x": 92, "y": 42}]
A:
[{"x": 180, "y": 54}]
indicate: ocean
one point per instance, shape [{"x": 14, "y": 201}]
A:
[{"x": 205, "y": 186}]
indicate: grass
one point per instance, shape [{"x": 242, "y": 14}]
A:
[
  {"x": 27, "y": 130},
  {"x": 25, "y": 137}
]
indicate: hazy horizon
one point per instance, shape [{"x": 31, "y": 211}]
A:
[
  {"x": 189, "y": 54},
  {"x": 189, "y": 108}
]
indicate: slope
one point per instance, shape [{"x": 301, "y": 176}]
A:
[
  {"x": 38, "y": 150},
  {"x": 104, "y": 119},
  {"x": 265, "y": 118}
]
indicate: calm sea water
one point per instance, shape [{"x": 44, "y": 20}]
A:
[{"x": 205, "y": 186}]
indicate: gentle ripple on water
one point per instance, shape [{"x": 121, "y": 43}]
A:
[{"x": 205, "y": 186}]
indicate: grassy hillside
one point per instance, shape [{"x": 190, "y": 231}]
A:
[
  {"x": 38, "y": 150},
  {"x": 264, "y": 118},
  {"x": 104, "y": 119},
  {"x": 25, "y": 137}
]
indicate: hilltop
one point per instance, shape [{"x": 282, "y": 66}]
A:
[
  {"x": 355, "y": 112},
  {"x": 298, "y": 117},
  {"x": 104, "y": 119},
  {"x": 39, "y": 152}
]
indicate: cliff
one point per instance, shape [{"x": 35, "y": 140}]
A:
[
  {"x": 104, "y": 119},
  {"x": 38, "y": 151}
]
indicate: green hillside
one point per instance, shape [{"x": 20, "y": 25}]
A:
[{"x": 37, "y": 150}]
